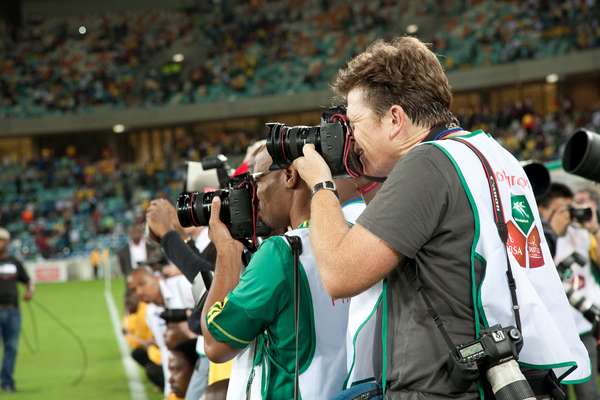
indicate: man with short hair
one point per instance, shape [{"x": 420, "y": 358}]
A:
[
  {"x": 11, "y": 272},
  {"x": 136, "y": 252},
  {"x": 159, "y": 293},
  {"x": 431, "y": 232},
  {"x": 554, "y": 210},
  {"x": 254, "y": 313},
  {"x": 181, "y": 366}
]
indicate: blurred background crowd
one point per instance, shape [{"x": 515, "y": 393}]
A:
[
  {"x": 67, "y": 65},
  {"x": 66, "y": 201}
]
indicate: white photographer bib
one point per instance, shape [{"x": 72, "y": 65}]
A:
[
  {"x": 550, "y": 338},
  {"x": 326, "y": 370}
]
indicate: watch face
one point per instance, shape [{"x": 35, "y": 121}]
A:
[{"x": 329, "y": 185}]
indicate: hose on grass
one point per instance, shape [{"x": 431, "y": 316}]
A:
[
  {"x": 33, "y": 347},
  {"x": 72, "y": 333}
]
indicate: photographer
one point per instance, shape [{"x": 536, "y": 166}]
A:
[
  {"x": 164, "y": 226},
  {"x": 140, "y": 340},
  {"x": 160, "y": 293},
  {"x": 554, "y": 210},
  {"x": 255, "y": 312},
  {"x": 431, "y": 231},
  {"x": 577, "y": 239}
]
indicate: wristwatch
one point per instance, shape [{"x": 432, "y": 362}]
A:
[{"x": 327, "y": 185}]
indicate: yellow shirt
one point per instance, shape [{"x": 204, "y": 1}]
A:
[
  {"x": 136, "y": 328},
  {"x": 219, "y": 372}
]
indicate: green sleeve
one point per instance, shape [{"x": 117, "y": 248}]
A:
[{"x": 257, "y": 300}]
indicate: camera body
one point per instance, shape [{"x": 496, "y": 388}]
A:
[
  {"x": 332, "y": 139},
  {"x": 238, "y": 209},
  {"x": 575, "y": 295},
  {"x": 496, "y": 354},
  {"x": 210, "y": 172},
  {"x": 173, "y": 315},
  {"x": 580, "y": 215}
]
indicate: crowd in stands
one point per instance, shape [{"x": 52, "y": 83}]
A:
[
  {"x": 67, "y": 205},
  {"x": 64, "y": 206},
  {"x": 496, "y": 32},
  {"x": 59, "y": 206},
  {"x": 257, "y": 48},
  {"x": 528, "y": 134}
]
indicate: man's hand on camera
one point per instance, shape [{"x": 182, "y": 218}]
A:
[
  {"x": 312, "y": 167},
  {"x": 592, "y": 225},
  {"x": 162, "y": 218},
  {"x": 219, "y": 233}
]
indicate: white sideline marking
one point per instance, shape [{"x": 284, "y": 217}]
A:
[{"x": 136, "y": 387}]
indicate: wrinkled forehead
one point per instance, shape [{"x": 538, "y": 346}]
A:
[
  {"x": 263, "y": 161},
  {"x": 357, "y": 107}
]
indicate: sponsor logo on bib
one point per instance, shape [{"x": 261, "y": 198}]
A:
[{"x": 524, "y": 243}]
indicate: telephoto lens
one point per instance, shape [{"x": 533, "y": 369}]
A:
[
  {"x": 332, "y": 140},
  {"x": 503, "y": 373},
  {"x": 508, "y": 382},
  {"x": 174, "y": 315},
  {"x": 538, "y": 176},
  {"x": 193, "y": 208},
  {"x": 578, "y": 300},
  {"x": 571, "y": 284},
  {"x": 582, "y": 155},
  {"x": 285, "y": 143}
]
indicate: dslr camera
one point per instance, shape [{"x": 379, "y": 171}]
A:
[
  {"x": 578, "y": 300},
  {"x": 210, "y": 172},
  {"x": 495, "y": 353},
  {"x": 174, "y": 315},
  {"x": 239, "y": 205},
  {"x": 333, "y": 140},
  {"x": 580, "y": 215}
]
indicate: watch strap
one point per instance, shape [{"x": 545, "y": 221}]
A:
[{"x": 327, "y": 185}]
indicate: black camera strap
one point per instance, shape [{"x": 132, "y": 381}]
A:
[
  {"x": 296, "y": 245},
  {"x": 436, "y": 317}
]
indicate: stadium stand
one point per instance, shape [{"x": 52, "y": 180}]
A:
[
  {"x": 63, "y": 204},
  {"x": 257, "y": 48}
]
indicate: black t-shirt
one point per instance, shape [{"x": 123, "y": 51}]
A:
[{"x": 11, "y": 271}]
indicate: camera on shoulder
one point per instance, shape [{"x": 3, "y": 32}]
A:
[{"x": 495, "y": 354}]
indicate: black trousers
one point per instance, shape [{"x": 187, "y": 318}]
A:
[{"x": 154, "y": 372}]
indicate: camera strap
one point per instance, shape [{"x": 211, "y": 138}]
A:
[
  {"x": 436, "y": 317},
  {"x": 296, "y": 245},
  {"x": 502, "y": 231},
  {"x": 500, "y": 224}
]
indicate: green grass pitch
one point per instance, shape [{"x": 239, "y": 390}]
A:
[{"x": 49, "y": 371}]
